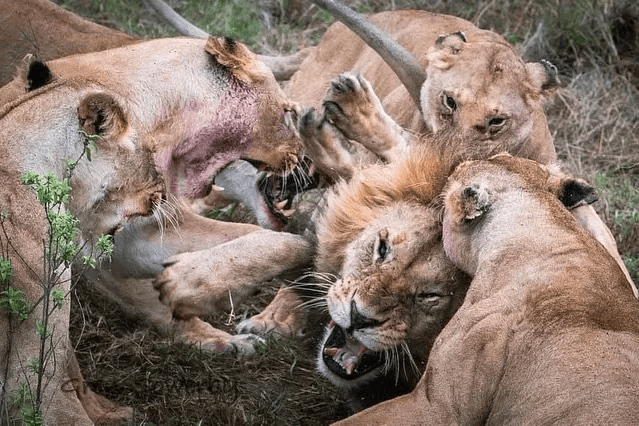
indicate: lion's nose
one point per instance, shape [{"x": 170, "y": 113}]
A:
[{"x": 359, "y": 321}]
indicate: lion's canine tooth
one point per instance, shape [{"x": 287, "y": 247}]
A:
[
  {"x": 288, "y": 213},
  {"x": 280, "y": 204},
  {"x": 331, "y": 352}
]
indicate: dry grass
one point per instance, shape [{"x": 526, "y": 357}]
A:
[{"x": 595, "y": 123}]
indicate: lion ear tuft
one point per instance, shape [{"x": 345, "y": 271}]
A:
[
  {"x": 571, "y": 191},
  {"x": 34, "y": 73},
  {"x": 100, "y": 114},
  {"x": 232, "y": 55}
]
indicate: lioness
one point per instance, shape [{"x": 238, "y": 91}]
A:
[
  {"x": 549, "y": 330},
  {"x": 208, "y": 103},
  {"x": 46, "y": 30},
  {"x": 40, "y": 132}
]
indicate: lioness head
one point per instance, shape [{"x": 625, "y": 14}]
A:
[
  {"x": 207, "y": 103},
  {"x": 483, "y": 191},
  {"x": 395, "y": 288},
  {"x": 454, "y": 76},
  {"x": 121, "y": 181},
  {"x": 484, "y": 89}
]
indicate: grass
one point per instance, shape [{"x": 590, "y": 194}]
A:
[{"x": 594, "y": 120}]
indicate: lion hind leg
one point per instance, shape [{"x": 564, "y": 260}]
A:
[
  {"x": 100, "y": 410},
  {"x": 200, "y": 333},
  {"x": 284, "y": 316}
]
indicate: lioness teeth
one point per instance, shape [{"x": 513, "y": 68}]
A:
[
  {"x": 280, "y": 205},
  {"x": 288, "y": 213}
]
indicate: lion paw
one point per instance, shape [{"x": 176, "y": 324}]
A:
[
  {"x": 200, "y": 333},
  {"x": 283, "y": 316},
  {"x": 352, "y": 106},
  {"x": 332, "y": 153},
  {"x": 242, "y": 345}
]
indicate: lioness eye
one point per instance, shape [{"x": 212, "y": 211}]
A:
[
  {"x": 450, "y": 102},
  {"x": 497, "y": 121}
]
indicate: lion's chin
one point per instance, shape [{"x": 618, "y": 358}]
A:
[{"x": 344, "y": 357}]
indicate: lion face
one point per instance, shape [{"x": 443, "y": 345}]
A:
[
  {"x": 396, "y": 291},
  {"x": 485, "y": 91}
]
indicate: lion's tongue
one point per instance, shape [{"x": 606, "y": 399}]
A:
[{"x": 349, "y": 355}]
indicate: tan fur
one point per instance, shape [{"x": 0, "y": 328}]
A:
[
  {"x": 485, "y": 75},
  {"x": 48, "y": 31},
  {"x": 156, "y": 96},
  {"x": 409, "y": 293},
  {"x": 39, "y": 133},
  {"x": 184, "y": 82},
  {"x": 549, "y": 330}
]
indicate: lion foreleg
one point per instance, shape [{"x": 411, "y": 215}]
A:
[
  {"x": 142, "y": 246},
  {"x": 206, "y": 282}
]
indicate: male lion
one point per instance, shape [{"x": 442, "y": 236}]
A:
[
  {"x": 40, "y": 132},
  {"x": 467, "y": 80},
  {"x": 379, "y": 242},
  {"x": 549, "y": 330}
]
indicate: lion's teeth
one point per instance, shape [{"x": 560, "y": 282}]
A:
[
  {"x": 216, "y": 188},
  {"x": 288, "y": 213},
  {"x": 349, "y": 368},
  {"x": 330, "y": 352},
  {"x": 349, "y": 364},
  {"x": 280, "y": 204}
]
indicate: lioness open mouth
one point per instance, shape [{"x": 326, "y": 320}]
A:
[
  {"x": 346, "y": 357},
  {"x": 280, "y": 191}
]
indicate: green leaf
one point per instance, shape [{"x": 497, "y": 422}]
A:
[
  {"x": 105, "y": 245},
  {"x": 42, "y": 330},
  {"x": 58, "y": 297}
]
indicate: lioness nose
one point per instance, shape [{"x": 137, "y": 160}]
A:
[{"x": 359, "y": 321}]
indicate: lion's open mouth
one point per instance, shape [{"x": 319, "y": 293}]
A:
[
  {"x": 280, "y": 191},
  {"x": 346, "y": 357}
]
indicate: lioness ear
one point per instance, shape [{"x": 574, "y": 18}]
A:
[
  {"x": 232, "y": 55},
  {"x": 543, "y": 76},
  {"x": 453, "y": 42},
  {"x": 34, "y": 73},
  {"x": 439, "y": 56},
  {"x": 473, "y": 202},
  {"x": 573, "y": 192},
  {"x": 100, "y": 114}
]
